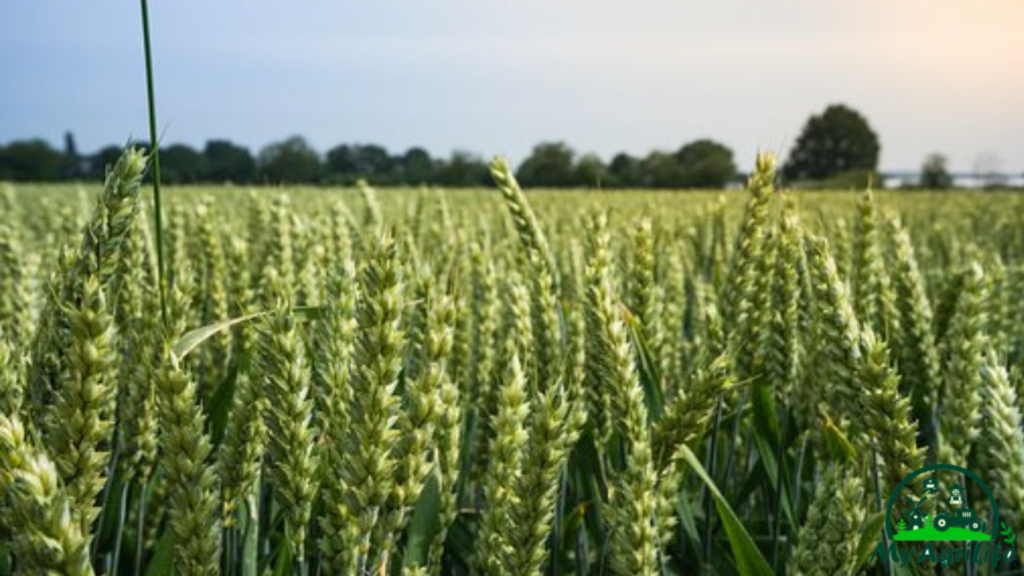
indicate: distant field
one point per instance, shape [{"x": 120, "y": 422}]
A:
[{"x": 673, "y": 206}]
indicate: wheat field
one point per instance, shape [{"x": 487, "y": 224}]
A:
[{"x": 493, "y": 382}]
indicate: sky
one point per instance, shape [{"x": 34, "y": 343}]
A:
[{"x": 498, "y": 76}]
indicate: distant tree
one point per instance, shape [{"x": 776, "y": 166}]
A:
[
  {"x": 31, "y": 161},
  {"x": 934, "y": 175},
  {"x": 375, "y": 163},
  {"x": 417, "y": 167},
  {"x": 348, "y": 163},
  {"x": 705, "y": 164},
  {"x": 463, "y": 169},
  {"x": 342, "y": 163},
  {"x": 225, "y": 161},
  {"x": 838, "y": 140},
  {"x": 181, "y": 164},
  {"x": 70, "y": 148},
  {"x": 73, "y": 165},
  {"x": 590, "y": 172},
  {"x": 662, "y": 170},
  {"x": 104, "y": 158},
  {"x": 550, "y": 164},
  {"x": 625, "y": 171},
  {"x": 291, "y": 161}
]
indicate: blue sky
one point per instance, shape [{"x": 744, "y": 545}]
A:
[{"x": 497, "y": 76}]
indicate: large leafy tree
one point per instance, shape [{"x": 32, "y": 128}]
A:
[
  {"x": 662, "y": 170},
  {"x": 705, "y": 164},
  {"x": 934, "y": 174},
  {"x": 625, "y": 171},
  {"x": 181, "y": 164},
  {"x": 348, "y": 163},
  {"x": 550, "y": 164},
  {"x": 225, "y": 161},
  {"x": 463, "y": 169},
  {"x": 590, "y": 171},
  {"x": 417, "y": 167},
  {"x": 31, "y": 161},
  {"x": 837, "y": 140},
  {"x": 290, "y": 161}
]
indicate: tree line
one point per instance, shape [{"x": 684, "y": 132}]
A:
[
  {"x": 835, "y": 149},
  {"x": 699, "y": 164}
]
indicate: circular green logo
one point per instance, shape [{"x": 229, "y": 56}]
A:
[{"x": 910, "y": 477}]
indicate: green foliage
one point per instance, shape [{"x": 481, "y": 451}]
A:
[
  {"x": 194, "y": 515},
  {"x": 228, "y": 162},
  {"x": 836, "y": 141},
  {"x": 374, "y": 381},
  {"x": 965, "y": 346},
  {"x": 181, "y": 164},
  {"x": 631, "y": 503},
  {"x": 284, "y": 369},
  {"x": 698, "y": 164},
  {"x": 550, "y": 164},
  {"x": 888, "y": 421},
  {"x": 290, "y": 161},
  {"x": 934, "y": 174},
  {"x": 705, "y": 164},
  {"x": 1002, "y": 437},
  {"x": 831, "y": 533},
  {"x": 43, "y": 535},
  {"x": 81, "y": 420},
  {"x": 31, "y": 161}
]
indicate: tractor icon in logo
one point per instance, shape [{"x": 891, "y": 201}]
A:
[{"x": 964, "y": 517}]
